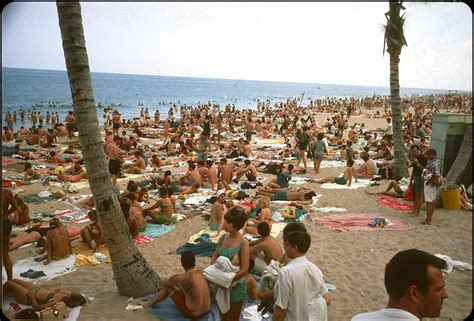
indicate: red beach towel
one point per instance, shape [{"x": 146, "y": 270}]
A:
[
  {"x": 142, "y": 239},
  {"x": 359, "y": 222},
  {"x": 394, "y": 203}
]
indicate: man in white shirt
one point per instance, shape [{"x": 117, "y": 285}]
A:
[
  {"x": 300, "y": 286},
  {"x": 415, "y": 286}
]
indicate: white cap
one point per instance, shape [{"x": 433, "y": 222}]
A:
[{"x": 220, "y": 192}]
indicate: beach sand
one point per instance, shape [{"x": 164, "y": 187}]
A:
[{"x": 352, "y": 261}]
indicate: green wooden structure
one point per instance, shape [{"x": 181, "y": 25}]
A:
[{"x": 446, "y": 138}]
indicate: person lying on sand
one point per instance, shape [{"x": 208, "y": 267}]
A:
[
  {"x": 65, "y": 177},
  {"x": 397, "y": 191},
  {"x": 346, "y": 178},
  {"x": 189, "y": 290},
  {"x": 40, "y": 298}
]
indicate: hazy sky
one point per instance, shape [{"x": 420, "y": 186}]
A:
[{"x": 332, "y": 43}]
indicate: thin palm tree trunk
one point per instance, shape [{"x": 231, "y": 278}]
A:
[{"x": 133, "y": 275}]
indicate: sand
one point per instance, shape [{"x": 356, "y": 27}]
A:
[{"x": 352, "y": 261}]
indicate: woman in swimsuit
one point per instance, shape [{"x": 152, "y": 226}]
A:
[
  {"x": 265, "y": 216},
  {"x": 58, "y": 244},
  {"x": 34, "y": 234},
  {"x": 166, "y": 205},
  {"x": 40, "y": 298},
  {"x": 233, "y": 246}
]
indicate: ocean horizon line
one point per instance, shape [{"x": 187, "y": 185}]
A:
[{"x": 248, "y": 80}]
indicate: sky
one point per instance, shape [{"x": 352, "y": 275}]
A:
[{"x": 311, "y": 42}]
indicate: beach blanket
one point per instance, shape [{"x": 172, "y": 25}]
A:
[
  {"x": 76, "y": 216},
  {"x": 73, "y": 313},
  {"x": 36, "y": 199},
  {"x": 86, "y": 256},
  {"x": 394, "y": 203},
  {"x": 360, "y": 183},
  {"x": 328, "y": 209},
  {"x": 156, "y": 230},
  {"x": 358, "y": 222},
  {"x": 202, "y": 246},
  {"x": 51, "y": 271}
]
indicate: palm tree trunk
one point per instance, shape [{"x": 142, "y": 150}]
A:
[
  {"x": 133, "y": 275},
  {"x": 461, "y": 161},
  {"x": 399, "y": 164}
]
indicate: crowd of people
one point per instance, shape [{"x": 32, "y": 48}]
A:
[{"x": 215, "y": 145}]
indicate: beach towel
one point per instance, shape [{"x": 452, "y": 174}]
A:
[
  {"x": 86, "y": 256},
  {"x": 358, "y": 222},
  {"x": 51, "y": 271},
  {"x": 73, "y": 313},
  {"x": 36, "y": 199},
  {"x": 167, "y": 310},
  {"x": 394, "y": 203},
  {"x": 222, "y": 272},
  {"x": 328, "y": 209},
  {"x": 76, "y": 216},
  {"x": 202, "y": 246},
  {"x": 156, "y": 230},
  {"x": 360, "y": 183}
]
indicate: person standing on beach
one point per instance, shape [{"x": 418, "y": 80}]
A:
[
  {"x": 416, "y": 180},
  {"x": 70, "y": 124},
  {"x": 116, "y": 123},
  {"x": 9, "y": 206},
  {"x": 300, "y": 287},
  {"x": 53, "y": 119},
  {"x": 415, "y": 285},
  {"x": 433, "y": 181},
  {"x": 302, "y": 139},
  {"x": 115, "y": 156},
  {"x": 48, "y": 117}
]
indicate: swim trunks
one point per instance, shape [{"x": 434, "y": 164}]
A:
[
  {"x": 114, "y": 166},
  {"x": 180, "y": 301},
  {"x": 279, "y": 196},
  {"x": 116, "y": 125},
  {"x": 162, "y": 219},
  {"x": 340, "y": 180},
  {"x": 142, "y": 229}
]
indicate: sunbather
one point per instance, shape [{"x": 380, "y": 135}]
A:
[
  {"x": 58, "y": 244},
  {"x": 91, "y": 234},
  {"x": 346, "y": 178},
  {"x": 40, "y": 298}
]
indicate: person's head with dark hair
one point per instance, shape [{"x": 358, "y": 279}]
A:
[
  {"x": 431, "y": 152},
  {"x": 297, "y": 244},
  {"x": 27, "y": 166},
  {"x": 209, "y": 162},
  {"x": 365, "y": 157},
  {"x": 263, "y": 229},
  {"x": 167, "y": 173},
  {"x": 415, "y": 283},
  {"x": 235, "y": 218},
  {"x": 125, "y": 206},
  {"x": 74, "y": 299},
  {"x": 320, "y": 136},
  {"x": 292, "y": 227},
  {"x": 349, "y": 143},
  {"x": 247, "y": 162},
  {"x": 350, "y": 162},
  {"x": 26, "y": 314},
  {"x": 52, "y": 153},
  {"x": 200, "y": 163},
  {"x": 309, "y": 195},
  {"x": 92, "y": 215},
  {"x": 291, "y": 167},
  {"x": 223, "y": 160},
  {"x": 188, "y": 260},
  {"x": 132, "y": 186}
]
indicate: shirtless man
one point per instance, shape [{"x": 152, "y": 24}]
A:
[
  {"x": 203, "y": 170},
  {"x": 189, "y": 290},
  {"x": 349, "y": 173},
  {"x": 191, "y": 177},
  {"x": 287, "y": 195},
  {"x": 212, "y": 173},
  {"x": 9, "y": 206},
  {"x": 70, "y": 123},
  {"x": 139, "y": 166},
  {"x": 91, "y": 234},
  {"x": 368, "y": 169},
  {"x": 115, "y": 156},
  {"x": 264, "y": 249},
  {"x": 247, "y": 149},
  {"x": 249, "y": 170},
  {"x": 130, "y": 219},
  {"x": 116, "y": 123},
  {"x": 224, "y": 173}
]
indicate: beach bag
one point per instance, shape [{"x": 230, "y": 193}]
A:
[
  {"x": 54, "y": 312},
  {"x": 408, "y": 194}
]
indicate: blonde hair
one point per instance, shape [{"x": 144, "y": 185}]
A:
[
  {"x": 265, "y": 201},
  {"x": 20, "y": 202}
]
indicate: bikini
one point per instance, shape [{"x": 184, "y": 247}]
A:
[{"x": 238, "y": 292}]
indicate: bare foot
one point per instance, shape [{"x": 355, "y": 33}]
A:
[{"x": 426, "y": 222}]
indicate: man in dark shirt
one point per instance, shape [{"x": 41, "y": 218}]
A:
[{"x": 416, "y": 179}]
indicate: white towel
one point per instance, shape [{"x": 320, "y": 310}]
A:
[
  {"x": 454, "y": 264},
  {"x": 222, "y": 272}
]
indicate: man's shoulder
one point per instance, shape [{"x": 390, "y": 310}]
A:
[{"x": 385, "y": 315}]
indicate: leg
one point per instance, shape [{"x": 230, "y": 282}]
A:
[
  {"x": 328, "y": 179},
  {"x": 7, "y": 262},
  {"x": 234, "y": 312},
  {"x": 24, "y": 239},
  {"x": 17, "y": 289},
  {"x": 429, "y": 212}
]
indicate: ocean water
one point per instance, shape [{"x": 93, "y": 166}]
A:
[{"x": 23, "y": 88}]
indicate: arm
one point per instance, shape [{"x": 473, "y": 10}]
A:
[
  {"x": 216, "y": 254},
  {"x": 278, "y": 314},
  {"x": 35, "y": 305}
]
